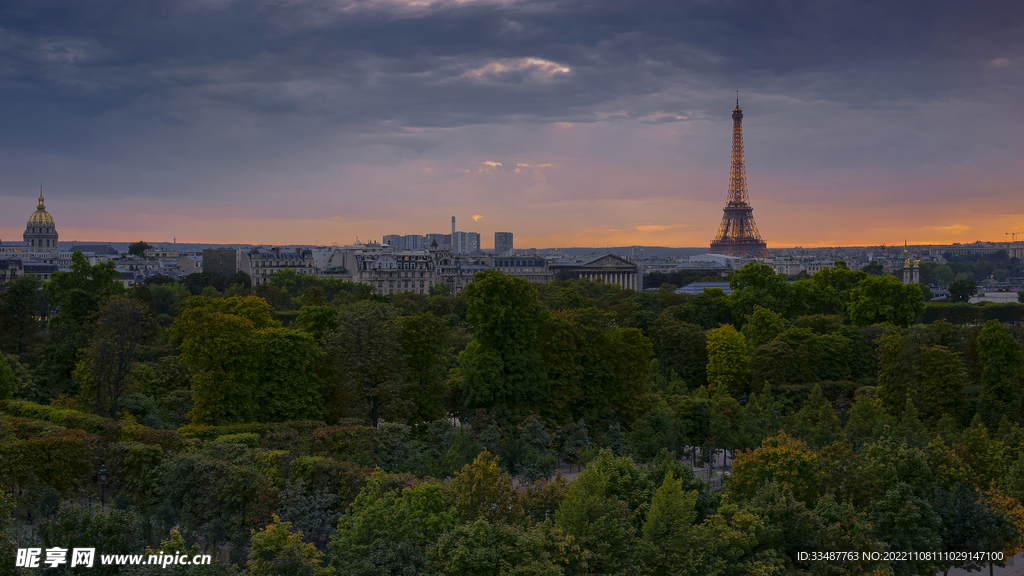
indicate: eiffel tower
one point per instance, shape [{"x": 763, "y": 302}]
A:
[{"x": 738, "y": 235}]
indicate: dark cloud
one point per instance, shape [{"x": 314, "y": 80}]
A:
[
  {"x": 363, "y": 62},
  {"x": 178, "y": 97}
]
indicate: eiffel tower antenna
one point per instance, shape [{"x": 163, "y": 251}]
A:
[{"x": 738, "y": 235}]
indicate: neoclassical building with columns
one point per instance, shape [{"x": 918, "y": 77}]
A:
[{"x": 607, "y": 268}]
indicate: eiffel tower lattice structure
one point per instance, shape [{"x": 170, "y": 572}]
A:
[{"x": 738, "y": 235}]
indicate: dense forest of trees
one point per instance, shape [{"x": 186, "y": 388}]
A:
[{"x": 309, "y": 426}]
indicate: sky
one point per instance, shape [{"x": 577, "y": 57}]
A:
[{"x": 566, "y": 122}]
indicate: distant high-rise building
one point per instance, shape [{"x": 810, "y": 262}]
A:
[
  {"x": 465, "y": 242},
  {"x": 738, "y": 235},
  {"x": 396, "y": 241},
  {"x": 503, "y": 243},
  {"x": 414, "y": 242},
  {"x": 444, "y": 241}
]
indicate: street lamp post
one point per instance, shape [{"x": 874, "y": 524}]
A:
[{"x": 103, "y": 486}]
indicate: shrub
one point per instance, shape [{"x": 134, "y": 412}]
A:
[
  {"x": 61, "y": 417},
  {"x": 207, "y": 432},
  {"x": 358, "y": 444},
  {"x": 248, "y": 439}
]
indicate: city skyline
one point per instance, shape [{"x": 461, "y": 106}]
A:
[{"x": 567, "y": 123}]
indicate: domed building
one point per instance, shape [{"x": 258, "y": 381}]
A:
[{"x": 41, "y": 232}]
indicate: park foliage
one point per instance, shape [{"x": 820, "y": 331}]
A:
[{"x": 309, "y": 426}]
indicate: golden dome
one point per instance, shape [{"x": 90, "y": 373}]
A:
[{"x": 40, "y": 217}]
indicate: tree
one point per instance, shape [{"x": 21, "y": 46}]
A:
[
  {"x": 897, "y": 377},
  {"x": 483, "y": 490},
  {"x": 828, "y": 291},
  {"x": 1008, "y": 532},
  {"x": 278, "y": 550},
  {"x": 174, "y": 545},
  {"x": 244, "y": 368},
  {"x": 8, "y": 548},
  {"x": 727, "y": 361},
  {"x": 680, "y": 347},
  {"x": 314, "y": 296},
  {"x": 1020, "y": 296},
  {"x": 123, "y": 326},
  {"x": 965, "y": 525},
  {"x": 424, "y": 342},
  {"x": 485, "y": 549},
  {"x": 845, "y": 480},
  {"x": 595, "y": 370},
  {"x": 962, "y": 290},
  {"x": 775, "y": 364},
  {"x": 368, "y": 356},
  {"x": 77, "y": 295},
  {"x": 759, "y": 285},
  {"x": 905, "y": 521},
  {"x": 1002, "y": 364},
  {"x": 599, "y": 520},
  {"x": 440, "y": 289},
  {"x": 873, "y": 268},
  {"x": 198, "y": 281},
  {"x": 782, "y": 458},
  {"x": 540, "y": 459},
  {"x": 138, "y": 248},
  {"x": 942, "y": 384},
  {"x": 816, "y": 422},
  {"x": 318, "y": 321},
  {"x": 388, "y": 528},
  {"x": 885, "y": 299},
  {"x": 910, "y": 428},
  {"x": 866, "y": 422},
  {"x": 240, "y": 278},
  {"x": 577, "y": 441},
  {"x": 8, "y": 383},
  {"x": 503, "y": 368},
  {"x": 762, "y": 327},
  {"x": 111, "y": 531},
  {"x": 668, "y": 525},
  {"x": 732, "y": 542},
  {"x": 19, "y": 315}
]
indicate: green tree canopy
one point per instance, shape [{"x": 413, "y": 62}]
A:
[
  {"x": 244, "y": 368},
  {"x": 762, "y": 327},
  {"x": 20, "y": 327},
  {"x": 424, "y": 341},
  {"x": 123, "y": 326},
  {"x": 77, "y": 294},
  {"x": 962, "y": 290},
  {"x": 727, "y": 361},
  {"x": 368, "y": 357},
  {"x": 277, "y": 549},
  {"x": 1002, "y": 367},
  {"x": 503, "y": 367},
  {"x": 139, "y": 248},
  {"x": 885, "y": 299},
  {"x": 759, "y": 285},
  {"x": 782, "y": 458}
]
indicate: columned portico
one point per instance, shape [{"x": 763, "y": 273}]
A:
[{"x": 607, "y": 268}]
